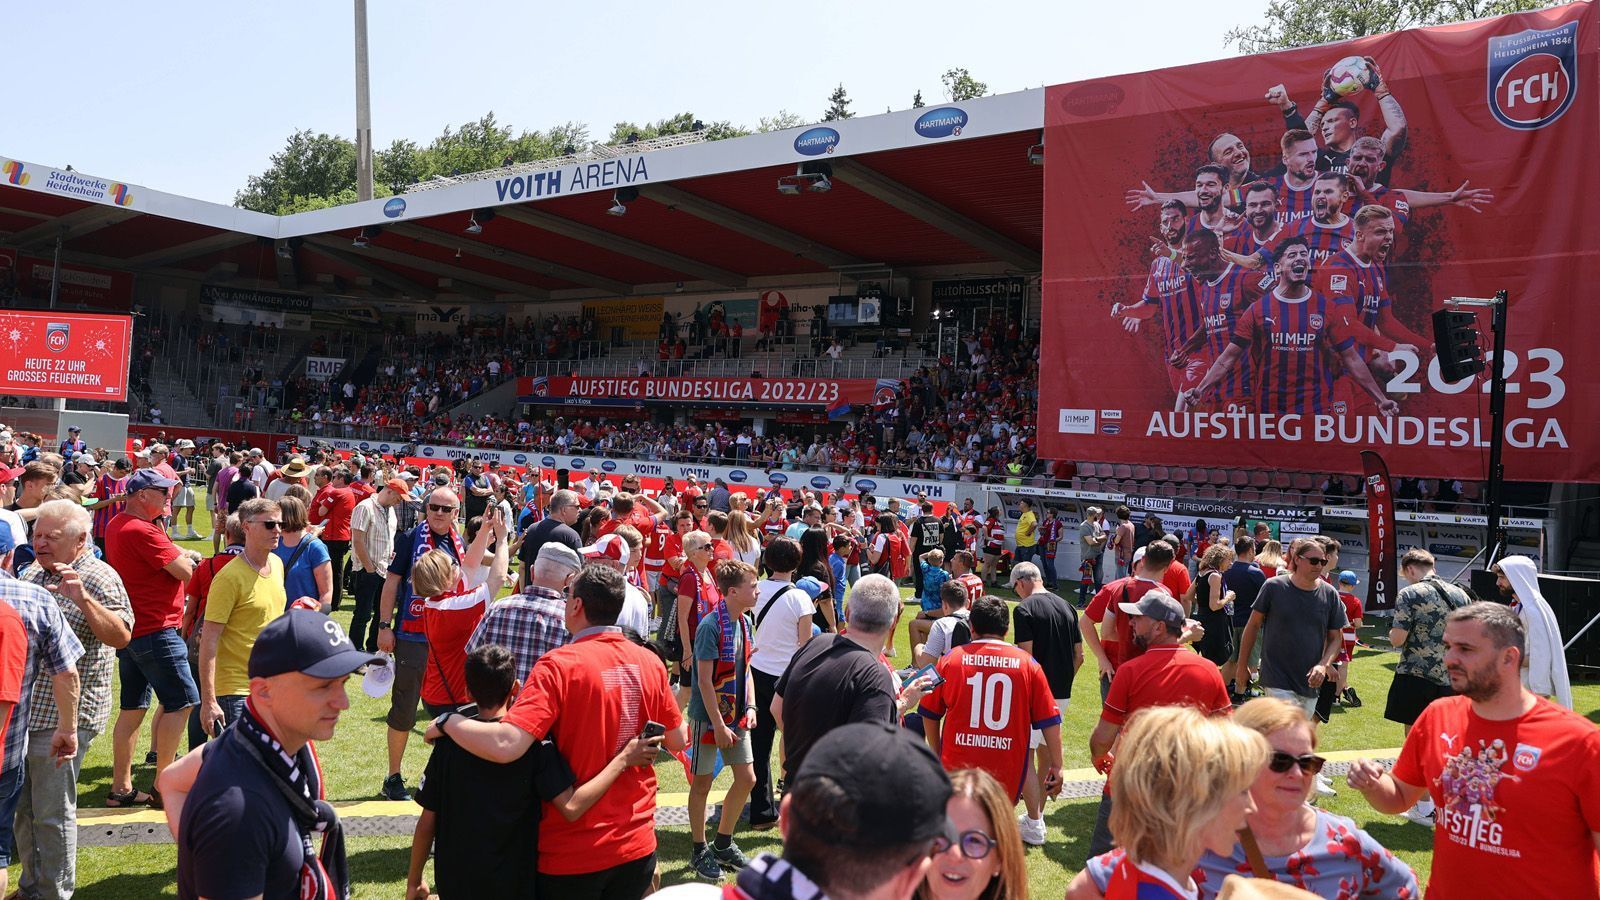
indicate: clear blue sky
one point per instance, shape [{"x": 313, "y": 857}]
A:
[{"x": 193, "y": 97}]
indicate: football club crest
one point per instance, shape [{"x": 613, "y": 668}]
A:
[
  {"x": 1533, "y": 76},
  {"x": 1225, "y": 301},
  {"x": 1526, "y": 757},
  {"x": 1316, "y": 321},
  {"x": 57, "y": 335}
]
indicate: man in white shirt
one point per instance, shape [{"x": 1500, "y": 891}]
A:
[
  {"x": 942, "y": 637},
  {"x": 783, "y": 614},
  {"x": 372, "y": 529},
  {"x": 260, "y": 469}
]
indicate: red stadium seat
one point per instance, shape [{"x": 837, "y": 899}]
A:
[
  {"x": 1217, "y": 476},
  {"x": 1260, "y": 479},
  {"x": 1303, "y": 482},
  {"x": 1238, "y": 478},
  {"x": 1160, "y": 473},
  {"x": 1178, "y": 474},
  {"x": 1142, "y": 473},
  {"x": 1280, "y": 479},
  {"x": 1167, "y": 489},
  {"x": 1187, "y": 489},
  {"x": 1122, "y": 470}
]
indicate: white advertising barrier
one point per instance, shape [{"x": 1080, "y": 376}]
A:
[{"x": 1453, "y": 539}]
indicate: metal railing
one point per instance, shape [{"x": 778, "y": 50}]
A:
[{"x": 736, "y": 367}]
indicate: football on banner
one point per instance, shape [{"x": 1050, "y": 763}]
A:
[{"x": 1349, "y": 76}]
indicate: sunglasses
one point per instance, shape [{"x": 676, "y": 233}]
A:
[
  {"x": 973, "y": 844},
  {"x": 1314, "y": 560},
  {"x": 1281, "y": 762},
  {"x": 270, "y": 524},
  {"x": 434, "y": 507}
]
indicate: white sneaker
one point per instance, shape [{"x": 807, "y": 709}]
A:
[
  {"x": 1420, "y": 818},
  {"x": 1325, "y": 787},
  {"x": 1033, "y": 833}
]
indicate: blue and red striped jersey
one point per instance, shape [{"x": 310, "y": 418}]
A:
[
  {"x": 1294, "y": 344},
  {"x": 1164, "y": 289}
]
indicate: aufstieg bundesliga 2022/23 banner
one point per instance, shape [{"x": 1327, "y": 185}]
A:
[{"x": 1242, "y": 257}]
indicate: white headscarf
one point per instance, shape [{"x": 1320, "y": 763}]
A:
[{"x": 1546, "y": 669}]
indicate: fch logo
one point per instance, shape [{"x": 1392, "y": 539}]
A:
[
  {"x": 119, "y": 194},
  {"x": 1533, "y": 76},
  {"x": 14, "y": 173},
  {"x": 57, "y": 335}
]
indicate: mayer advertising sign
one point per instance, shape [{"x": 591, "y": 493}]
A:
[
  {"x": 1259, "y": 244},
  {"x": 58, "y": 354}
]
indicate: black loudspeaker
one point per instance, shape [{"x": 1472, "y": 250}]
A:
[
  {"x": 1575, "y": 601},
  {"x": 1484, "y": 587}
]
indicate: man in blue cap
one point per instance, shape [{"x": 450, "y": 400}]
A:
[{"x": 248, "y": 825}]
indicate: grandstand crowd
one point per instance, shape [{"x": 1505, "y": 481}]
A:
[{"x": 755, "y": 632}]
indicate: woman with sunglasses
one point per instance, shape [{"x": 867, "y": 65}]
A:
[
  {"x": 986, "y": 862},
  {"x": 1288, "y": 839},
  {"x": 1183, "y": 786}
]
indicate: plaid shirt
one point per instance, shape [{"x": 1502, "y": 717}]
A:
[
  {"x": 104, "y": 586},
  {"x": 530, "y": 625},
  {"x": 51, "y": 646}
]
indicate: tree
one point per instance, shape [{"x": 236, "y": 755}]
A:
[
  {"x": 1298, "y": 23},
  {"x": 960, "y": 85},
  {"x": 916, "y": 100},
  {"x": 309, "y": 165},
  {"x": 784, "y": 119},
  {"x": 838, "y": 106},
  {"x": 682, "y": 123}
]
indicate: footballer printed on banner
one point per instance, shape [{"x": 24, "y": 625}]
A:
[{"x": 1259, "y": 243}]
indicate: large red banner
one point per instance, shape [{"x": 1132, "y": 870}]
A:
[
  {"x": 1242, "y": 257},
  {"x": 80, "y": 285},
  {"x": 768, "y": 393},
  {"x": 56, "y": 354}
]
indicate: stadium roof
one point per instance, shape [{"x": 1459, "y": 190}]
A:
[{"x": 946, "y": 185}]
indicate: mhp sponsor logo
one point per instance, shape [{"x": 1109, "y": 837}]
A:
[
  {"x": 866, "y": 485},
  {"x": 579, "y": 463},
  {"x": 816, "y": 141},
  {"x": 1110, "y": 428},
  {"x": 520, "y": 459},
  {"x": 427, "y": 451},
  {"x": 395, "y": 208},
  {"x": 549, "y": 462},
  {"x": 738, "y": 476},
  {"x": 946, "y": 121},
  {"x": 778, "y": 478},
  {"x": 821, "y": 482},
  {"x": 608, "y": 465},
  {"x": 1533, "y": 76},
  {"x": 1076, "y": 421}
]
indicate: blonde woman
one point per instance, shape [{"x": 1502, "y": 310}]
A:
[
  {"x": 1182, "y": 784},
  {"x": 1288, "y": 839},
  {"x": 986, "y": 862},
  {"x": 745, "y": 539},
  {"x": 1270, "y": 559},
  {"x": 1212, "y": 603}
]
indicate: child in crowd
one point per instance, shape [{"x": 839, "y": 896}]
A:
[
  {"x": 481, "y": 819},
  {"x": 933, "y": 577}
]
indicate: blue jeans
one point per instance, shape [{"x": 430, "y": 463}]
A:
[
  {"x": 1047, "y": 568},
  {"x": 10, "y": 793},
  {"x": 157, "y": 662}
]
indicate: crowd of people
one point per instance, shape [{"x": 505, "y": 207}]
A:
[{"x": 727, "y": 628}]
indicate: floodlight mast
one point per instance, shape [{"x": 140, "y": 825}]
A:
[{"x": 363, "y": 108}]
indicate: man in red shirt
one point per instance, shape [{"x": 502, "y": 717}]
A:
[
  {"x": 592, "y": 696},
  {"x": 331, "y": 509},
  {"x": 1164, "y": 673},
  {"x": 1513, "y": 775},
  {"x": 999, "y": 695},
  {"x": 1116, "y": 646},
  {"x": 154, "y": 570}
]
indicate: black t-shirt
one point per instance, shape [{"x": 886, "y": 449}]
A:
[
  {"x": 832, "y": 681},
  {"x": 926, "y": 534},
  {"x": 542, "y": 532},
  {"x": 238, "y": 836},
  {"x": 486, "y": 830},
  {"x": 1052, "y": 624},
  {"x": 240, "y": 490}
]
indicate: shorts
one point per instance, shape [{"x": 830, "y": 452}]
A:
[
  {"x": 184, "y": 499},
  {"x": 652, "y": 580},
  {"x": 212, "y": 500},
  {"x": 931, "y": 614},
  {"x": 1238, "y": 641},
  {"x": 703, "y": 749},
  {"x": 1409, "y": 695},
  {"x": 410, "y": 659},
  {"x": 157, "y": 662},
  {"x": 1035, "y": 736}
]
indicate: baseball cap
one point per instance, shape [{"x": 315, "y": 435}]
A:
[
  {"x": 812, "y": 586},
  {"x": 147, "y": 478},
  {"x": 184, "y": 443},
  {"x": 256, "y": 451},
  {"x": 73, "y": 428},
  {"x": 8, "y": 474},
  {"x": 895, "y": 785},
  {"x": 407, "y": 476},
  {"x": 13, "y": 533},
  {"x": 1348, "y": 577},
  {"x": 611, "y": 546},
  {"x": 308, "y": 642},
  {"x": 87, "y": 459},
  {"x": 398, "y": 486},
  {"x": 556, "y": 551},
  {"x": 1157, "y": 605}
]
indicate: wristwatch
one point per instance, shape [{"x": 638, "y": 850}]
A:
[
  {"x": 443, "y": 717},
  {"x": 385, "y": 626}
]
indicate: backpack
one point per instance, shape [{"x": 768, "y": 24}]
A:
[
  {"x": 961, "y": 634},
  {"x": 899, "y": 558}
]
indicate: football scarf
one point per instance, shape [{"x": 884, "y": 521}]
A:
[{"x": 298, "y": 778}]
